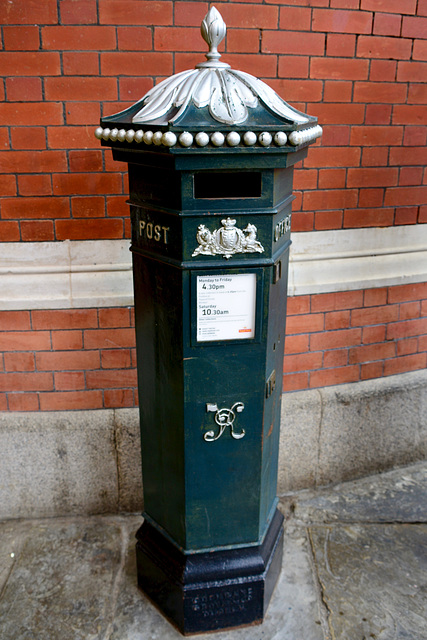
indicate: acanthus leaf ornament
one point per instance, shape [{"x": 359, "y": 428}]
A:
[{"x": 227, "y": 240}]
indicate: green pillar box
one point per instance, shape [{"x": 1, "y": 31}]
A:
[{"x": 211, "y": 154}]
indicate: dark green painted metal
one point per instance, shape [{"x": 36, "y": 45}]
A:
[
  {"x": 206, "y": 495},
  {"x": 210, "y": 549},
  {"x": 209, "y": 157}
]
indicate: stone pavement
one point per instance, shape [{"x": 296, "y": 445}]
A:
[{"x": 354, "y": 568}]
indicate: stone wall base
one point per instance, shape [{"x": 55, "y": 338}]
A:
[
  {"x": 339, "y": 433},
  {"x": 87, "y": 462}
]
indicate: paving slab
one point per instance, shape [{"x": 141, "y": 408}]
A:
[
  {"x": 354, "y": 568},
  {"x": 373, "y": 580},
  {"x": 62, "y": 581},
  {"x": 395, "y": 496},
  {"x": 76, "y": 578},
  {"x": 371, "y": 561}
]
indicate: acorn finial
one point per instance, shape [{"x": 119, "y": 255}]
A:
[{"x": 213, "y": 29}]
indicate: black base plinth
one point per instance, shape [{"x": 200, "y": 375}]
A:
[{"x": 209, "y": 591}]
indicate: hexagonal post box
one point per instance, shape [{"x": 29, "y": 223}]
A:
[{"x": 211, "y": 154}]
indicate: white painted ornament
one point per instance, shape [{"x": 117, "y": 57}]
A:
[
  {"x": 280, "y": 138},
  {"x": 217, "y": 139},
  {"x": 265, "y": 139},
  {"x": 202, "y": 139},
  {"x": 249, "y": 138},
  {"x": 169, "y": 139},
  {"x": 306, "y": 135},
  {"x": 157, "y": 138},
  {"x": 233, "y": 139},
  {"x": 185, "y": 139}
]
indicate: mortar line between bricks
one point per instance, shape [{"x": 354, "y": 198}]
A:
[{"x": 324, "y": 610}]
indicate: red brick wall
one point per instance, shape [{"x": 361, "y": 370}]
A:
[
  {"x": 334, "y": 338},
  {"x": 67, "y": 359},
  {"x": 85, "y": 358},
  {"x": 359, "y": 65}
]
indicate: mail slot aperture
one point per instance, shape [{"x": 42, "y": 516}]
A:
[{"x": 222, "y": 185}]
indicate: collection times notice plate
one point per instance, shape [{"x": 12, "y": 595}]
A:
[{"x": 226, "y": 307}]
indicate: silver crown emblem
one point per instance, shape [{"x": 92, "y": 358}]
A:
[{"x": 227, "y": 240}]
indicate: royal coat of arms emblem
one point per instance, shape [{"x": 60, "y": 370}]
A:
[{"x": 227, "y": 240}]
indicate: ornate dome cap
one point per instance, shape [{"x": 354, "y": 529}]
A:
[{"x": 211, "y": 104}]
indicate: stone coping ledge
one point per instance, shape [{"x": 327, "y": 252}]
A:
[{"x": 98, "y": 273}]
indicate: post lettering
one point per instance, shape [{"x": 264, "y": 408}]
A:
[{"x": 153, "y": 231}]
